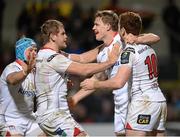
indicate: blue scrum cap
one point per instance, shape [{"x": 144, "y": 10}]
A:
[{"x": 21, "y": 46}]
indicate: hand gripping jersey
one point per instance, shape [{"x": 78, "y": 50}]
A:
[
  {"x": 144, "y": 82},
  {"x": 103, "y": 56},
  {"x": 120, "y": 95}
]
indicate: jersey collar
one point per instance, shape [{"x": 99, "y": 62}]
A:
[{"x": 112, "y": 39}]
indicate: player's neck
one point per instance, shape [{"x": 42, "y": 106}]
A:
[
  {"x": 51, "y": 46},
  {"x": 109, "y": 38}
]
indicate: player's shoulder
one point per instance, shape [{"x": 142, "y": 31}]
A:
[
  {"x": 57, "y": 57},
  {"x": 13, "y": 65},
  {"x": 48, "y": 55},
  {"x": 129, "y": 48},
  {"x": 135, "y": 47},
  {"x": 51, "y": 57}
]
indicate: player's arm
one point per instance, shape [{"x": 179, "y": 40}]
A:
[
  {"x": 146, "y": 38},
  {"x": 116, "y": 82},
  {"x": 92, "y": 68},
  {"x": 17, "y": 77},
  {"x": 119, "y": 80},
  {"x": 89, "y": 56},
  {"x": 82, "y": 93}
]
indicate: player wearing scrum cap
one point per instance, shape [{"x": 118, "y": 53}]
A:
[{"x": 17, "y": 92}]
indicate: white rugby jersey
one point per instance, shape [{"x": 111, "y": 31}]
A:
[
  {"x": 2, "y": 110},
  {"x": 103, "y": 56},
  {"x": 144, "y": 81},
  {"x": 51, "y": 82},
  {"x": 16, "y": 100}
]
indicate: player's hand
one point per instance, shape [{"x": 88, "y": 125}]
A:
[
  {"x": 115, "y": 52},
  {"x": 27, "y": 67},
  {"x": 131, "y": 39},
  {"x": 88, "y": 84}
]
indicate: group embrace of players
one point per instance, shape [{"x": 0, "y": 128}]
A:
[{"x": 126, "y": 64}]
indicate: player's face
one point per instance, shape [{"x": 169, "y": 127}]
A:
[
  {"x": 99, "y": 29},
  {"x": 31, "y": 50},
  {"x": 61, "y": 38}
]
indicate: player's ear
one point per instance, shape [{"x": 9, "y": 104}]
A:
[
  {"x": 52, "y": 37},
  {"x": 108, "y": 26},
  {"x": 122, "y": 31}
]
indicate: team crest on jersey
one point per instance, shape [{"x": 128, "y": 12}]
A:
[
  {"x": 51, "y": 57},
  {"x": 144, "y": 119},
  {"x": 125, "y": 57}
]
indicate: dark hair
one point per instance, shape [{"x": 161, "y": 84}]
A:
[
  {"x": 108, "y": 17},
  {"x": 131, "y": 22},
  {"x": 50, "y": 26}
]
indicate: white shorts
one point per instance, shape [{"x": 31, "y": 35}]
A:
[
  {"x": 120, "y": 112},
  {"x": 146, "y": 115},
  {"x": 61, "y": 124},
  {"x": 25, "y": 127}
]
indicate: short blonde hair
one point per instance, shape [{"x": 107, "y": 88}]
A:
[
  {"x": 50, "y": 26},
  {"x": 108, "y": 17}
]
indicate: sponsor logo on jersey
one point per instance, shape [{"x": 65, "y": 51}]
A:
[
  {"x": 143, "y": 119},
  {"x": 61, "y": 132},
  {"x": 26, "y": 92}
]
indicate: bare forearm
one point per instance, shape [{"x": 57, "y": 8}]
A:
[
  {"x": 87, "y": 57},
  {"x": 148, "y": 38},
  {"x": 16, "y": 77},
  {"x": 84, "y": 57},
  {"x": 88, "y": 69},
  {"x": 93, "y": 68},
  {"x": 81, "y": 94},
  {"x": 75, "y": 57},
  {"x": 106, "y": 85}
]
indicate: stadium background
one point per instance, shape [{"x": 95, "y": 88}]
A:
[{"x": 96, "y": 112}]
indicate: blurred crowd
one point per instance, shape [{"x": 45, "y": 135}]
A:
[{"x": 78, "y": 24}]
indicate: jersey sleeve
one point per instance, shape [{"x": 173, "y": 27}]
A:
[
  {"x": 127, "y": 56},
  {"x": 59, "y": 62},
  {"x": 10, "y": 69}
]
